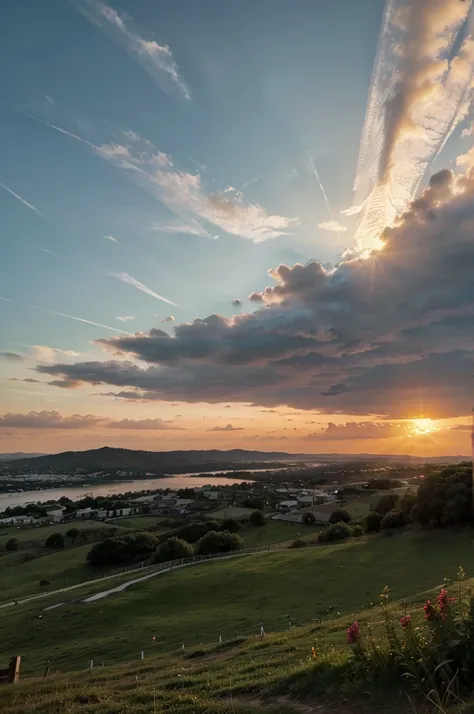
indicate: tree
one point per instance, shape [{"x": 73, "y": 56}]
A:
[
  {"x": 392, "y": 519},
  {"x": 72, "y": 534},
  {"x": 172, "y": 549},
  {"x": 373, "y": 521},
  {"x": 258, "y": 504},
  {"x": 407, "y": 501},
  {"x": 445, "y": 497},
  {"x": 231, "y": 525},
  {"x": 308, "y": 518},
  {"x": 386, "y": 503},
  {"x": 12, "y": 544},
  {"x": 55, "y": 541},
  {"x": 339, "y": 516},
  {"x": 337, "y": 531},
  {"x": 256, "y": 518},
  {"x": 218, "y": 542}
]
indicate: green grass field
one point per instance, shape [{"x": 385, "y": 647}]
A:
[
  {"x": 275, "y": 532},
  {"x": 228, "y": 598},
  {"x": 36, "y": 536},
  {"x": 136, "y": 523}
]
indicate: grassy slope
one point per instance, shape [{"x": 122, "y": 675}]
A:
[
  {"x": 276, "y": 532},
  {"x": 198, "y": 604},
  {"x": 136, "y": 523},
  {"x": 37, "y": 536}
]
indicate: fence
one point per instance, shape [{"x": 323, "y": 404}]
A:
[{"x": 146, "y": 571}]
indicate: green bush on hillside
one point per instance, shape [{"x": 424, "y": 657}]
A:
[
  {"x": 392, "y": 519},
  {"x": 123, "y": 549},
  {"x": 256, "y": 518},
  {"x": 218, "y": 542},
  {"x": 172, "y": 549},
  {"x": 231, "y": 525},
  {"x": 335, "y": 532},
  {"x": 308, "y": 518},
  {"x": 372, "y": 522},
  {"x": 386, "y": 503},
  {"x": 339, "y": 516},
  {"x": 445, "y": 498},
  {"x": 12, "y": 544},
  {"x": 55, "y": 541}
]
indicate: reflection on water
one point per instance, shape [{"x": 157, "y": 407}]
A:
[{"x": 108, "y": 489}]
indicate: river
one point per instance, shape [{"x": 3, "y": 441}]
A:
[{"x": 108, "y": 489}]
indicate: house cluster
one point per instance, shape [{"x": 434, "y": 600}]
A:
[{"x": 296, "y": 498}]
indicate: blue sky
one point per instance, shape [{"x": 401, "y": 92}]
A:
[{"x": 159, "y": 158}]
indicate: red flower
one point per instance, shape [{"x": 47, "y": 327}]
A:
[
  {"x": 405, "y": 621},
  {"x": 443, "y": 602},
  {"x": 430, "y": 611},
  {"x": 353, "y": 633}
]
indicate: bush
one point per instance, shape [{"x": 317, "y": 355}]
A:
[
  {"x": 130, "y": 548},
  {"x": 386, "y": 503},
  {"x": 393, "y": 519},
  {"x": 12, "y": 544},
  {"x": 258, "y": 504},
  {"x": 339, "y": 516},
  {"x": 308, "y": 518},
  {"x": 72, "y": 534},
  {"x": 256, "y": 518},
  {"x": 445, "y": 498},
  {"x": 298, "y": 543},
  {"x": 55, "y": 541},
  {"x": 337, "y": 531},
  {"x": 28, "y": 555},
  {"x": 231, "y": 525},
  {"x": 372, "y": 522},
  {"x": 218, "y": 542},
  {"x": 172, "y": 549},
  {"x": 357, "y": 531},
  {"x": 44, "y": 583}
]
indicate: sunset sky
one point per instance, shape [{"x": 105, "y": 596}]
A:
[{"x": 237, "y": 225}]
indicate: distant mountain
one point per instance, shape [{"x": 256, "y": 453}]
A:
[
  {"x": 107, "y": 459},
  {"x": 18, "y": 455}
]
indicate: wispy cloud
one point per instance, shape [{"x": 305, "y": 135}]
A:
[
  {"x": 112, "y": 239},
  {"x": 2, "y": 299},
  {"x": 22, "y": 200},
  {"x": 228, "y": 427},
  {"x": 332, "y": 226},
  {"x": 79, "y": 319},
  {"x": 48, "y": 99},
  {"x": 44, "y": 250},
  {"x": 49, "y": 355},
  {"x": 12, "y": 356},
  {"x": 130, "y": 280},
  {"x": 155, "y": 59},
  {"x": 125, "y": 318}
]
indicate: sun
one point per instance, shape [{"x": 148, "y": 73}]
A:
[{"x": 422, "y": 427}]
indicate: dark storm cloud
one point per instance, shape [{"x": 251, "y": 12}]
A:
[{"x": 392, "y": 335}]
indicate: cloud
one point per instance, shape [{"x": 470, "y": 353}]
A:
[
  {"x": 130, "y": 280},
  {"x": 124, "y": 318},
  {"x": 4, "y": 299},
  {"x": 79, "y": 319},
  {"x": 420, "y": 92},
  {"x": 332, "y": 226},
  {"x": 390, "y": 336},
  {"x": 42, "y": 249},
  {"x": 22, "y": 200},
  {"x": 48, "y": 99},
  {"x": 28, "y": 380},
  {"x": 12, "y": 356},
  {"x": 184, "y": 195},
  {"x": 112, "y": 239},
  {"x": 55, "y": 420},
  {"x": 48, "y": 355},
  {"x": 352, "y": 431},
  {"x": 228, "y": 427},
  {"x": 170, "y": 318},
  {"x": 237, "y": 303},
  {"x": 155, "y": 59}
]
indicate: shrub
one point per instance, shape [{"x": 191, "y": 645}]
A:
[
  {"x": 43, "y": 583},
  {"x": 55, "y": 541},
  {"x": 357, "y": 531},
  {"x": 28, "y": 555},
  {"x": 337, "y": 531},
  {"x": 172, "y": 549},
  {"x": 407, "y": 501},
  {"x": 231, "y": 525},
  {"x": 339, "y": 516},
  {"x": 386, "y": 503},
  {"x": 258, "y": 504},
  {"x": 308, "y": 518},
  {"x": 445, "y": 498},
  {"x": 123, "y": 549},
  {"x": 72, "y": 534},
  {"x": 392, "y": 519},
  {"x": 372, "y": 522},
  {"x": 256, "y": 518},
  {"x": 12, "y": 544},
  {"x": 298, "y": 543},
  {"x": 218, "y": 542}
]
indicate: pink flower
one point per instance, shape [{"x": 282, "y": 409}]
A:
[
  {"x": 353, "y": 633},
  {"x": 405, "y": 621},
  {"x": 443, "y": 602},
  {"x": 430, "y": 611}
]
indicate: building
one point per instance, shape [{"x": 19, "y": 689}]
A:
[{"x": 287, "y": 505}]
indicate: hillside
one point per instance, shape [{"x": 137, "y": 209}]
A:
[{"x": 108, "y": 458}]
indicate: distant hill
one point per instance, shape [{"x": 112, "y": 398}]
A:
[
  {"x": 108, "y": 459},
  {"x": 18, "y": 455}
]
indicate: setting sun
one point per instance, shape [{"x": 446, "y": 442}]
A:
[{"x": 423, "y": 427}]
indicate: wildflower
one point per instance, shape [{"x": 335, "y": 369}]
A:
[
  {"x": 314, "y": 654},
  {"x": 430, "y": 611},
  {"x": 405, "y": 621},
  {"x": 443, "y": 602},
  {"x": 353, "y": 633}
]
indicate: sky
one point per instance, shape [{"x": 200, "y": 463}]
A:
[{"x": 237, "y": 225}]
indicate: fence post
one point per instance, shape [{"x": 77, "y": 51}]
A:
[
  {"x": 48, "y": 667},
  {"x": 143, "y": 655},
  {"x": 92, "y": 664},
  {"x": 220, "y": 638},
  {"x": 182, "y": 646},
  {"x": 14, "y": 667}
]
